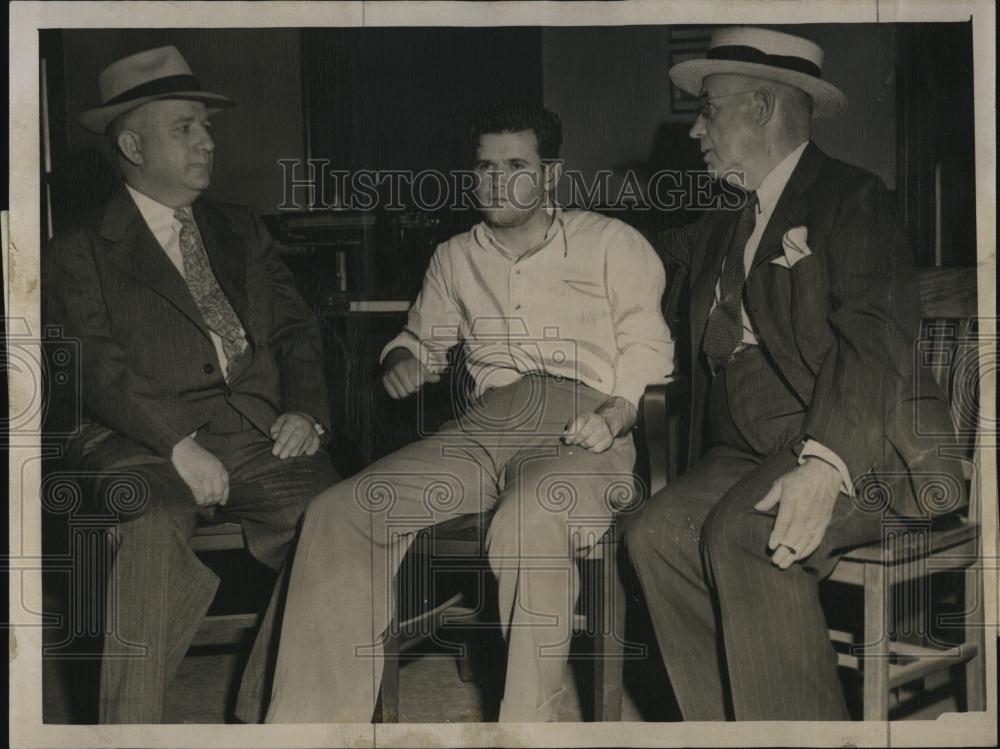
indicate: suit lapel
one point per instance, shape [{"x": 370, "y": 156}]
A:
[
  {"x": 134, "y": 249},
  {"x": 791, "y": 209}
]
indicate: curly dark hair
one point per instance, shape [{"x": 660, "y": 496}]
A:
[{"x": 516, "y": 116}]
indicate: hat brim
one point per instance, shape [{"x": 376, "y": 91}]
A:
[
  {"x": 97, "y": 120},
  {"x": 827, "y": 98}
]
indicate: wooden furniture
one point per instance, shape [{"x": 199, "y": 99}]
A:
[
  {"x": 913, "y": 551},
  {"x": 899, "y": 568},
  {"x": 461, "y": 541},
  {"x": 222, "y": 629}
]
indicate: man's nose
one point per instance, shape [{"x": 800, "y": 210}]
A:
[
  {"x": 205, "y": 142},
  {"x": 698, "y": 128}
]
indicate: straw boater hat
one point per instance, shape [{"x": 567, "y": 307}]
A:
[
  {"x": 768, "y": 54},
  {"x": 160, "y": 73}
]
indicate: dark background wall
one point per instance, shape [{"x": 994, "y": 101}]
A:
[{"x": 398, "y": 98}]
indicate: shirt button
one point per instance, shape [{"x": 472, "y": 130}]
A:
[
  {"x": 517, "y": 272},
  {"x": 208, "y": 369},
  {"x": 517, "y": 306}
]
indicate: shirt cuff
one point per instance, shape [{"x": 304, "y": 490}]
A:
[
  {"x": 630, "y": 391},
  {"x": 434, "y": 360},
  {"x": 403, "y": 340},
  {"x": 813, "y": 449}
]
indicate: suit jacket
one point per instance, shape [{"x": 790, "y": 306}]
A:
[
  {"x": 149, "y": 370},
  {"x": 840, "y": 327}
]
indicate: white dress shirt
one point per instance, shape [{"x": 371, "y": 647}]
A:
[
  {"x": 768, "y": 194},
  {"x": 584, "y": 304},
  {"x": 166, "y": 230}
]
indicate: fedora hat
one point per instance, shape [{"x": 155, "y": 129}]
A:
[
  {"x": 763, "y": 53},
  {"x": 160, "y": 73}
]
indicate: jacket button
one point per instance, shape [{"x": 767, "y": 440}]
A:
[
  {"x": 228, "y": 391},
  {"x": 208, "y": 369}
]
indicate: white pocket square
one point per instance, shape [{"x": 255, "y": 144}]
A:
[{"x": 795, "y": 247}]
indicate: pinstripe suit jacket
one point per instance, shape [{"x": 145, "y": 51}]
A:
[
  {"x": 149, "y": 370},
  {"x": 840, "y": 327}
]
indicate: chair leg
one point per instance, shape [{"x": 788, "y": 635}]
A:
[
  {"x": 975, "y": 635},
  {"x": 609, "y": 600},
  {"x": 467, "y": 661},
  {"x": 390, "y": 676},
  {"x": 876, "y": 644}
]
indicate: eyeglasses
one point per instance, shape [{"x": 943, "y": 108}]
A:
[{"x": 706, "y": 110}]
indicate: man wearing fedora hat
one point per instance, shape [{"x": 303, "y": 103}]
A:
[
  {"x": 201, "y": 373},
  {"x": 804, "y": 311}
]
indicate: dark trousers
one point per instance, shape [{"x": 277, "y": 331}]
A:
[
  {"x": 741, "y": 638},
  {"x": 159, "y": 591}
]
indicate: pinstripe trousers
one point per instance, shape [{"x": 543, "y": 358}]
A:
[
  {"x": 159, "y": 591},
  {"x": 741, "y": 638}
]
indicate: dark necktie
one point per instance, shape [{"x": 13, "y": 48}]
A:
[
  {"x": 218, "y": 313},
  {"x": 725, "y": 323}
]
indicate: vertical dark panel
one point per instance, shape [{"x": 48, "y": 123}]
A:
[
  {"x": 399, "y": 98},
  {"x": 936, "y": 133}
]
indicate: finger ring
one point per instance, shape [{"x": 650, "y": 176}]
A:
[{"x": 791, "y": 548}]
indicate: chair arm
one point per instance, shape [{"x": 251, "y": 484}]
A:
[{"x": 664, "y": 406}]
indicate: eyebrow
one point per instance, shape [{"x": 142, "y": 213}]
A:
[
  {"x": 189, "y": 118},
  {"x": 507, "y": 160}
]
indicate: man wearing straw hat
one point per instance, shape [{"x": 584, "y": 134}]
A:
[
  {"x": 804, "y": 311},
  {"x": 201, "y": 373}
]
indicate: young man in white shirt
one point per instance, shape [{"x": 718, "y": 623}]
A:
[{"x": 560, "y": 316}]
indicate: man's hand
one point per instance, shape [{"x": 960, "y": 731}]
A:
[
  {"x": 596, "y": 430},
  {"x": 589, "y": 430},
  {"x": 403, "y": 374},
  {"x": 294, "y": 434},
  {"x": 806, "y": 495},
  {"x": 202, "y": 472}
]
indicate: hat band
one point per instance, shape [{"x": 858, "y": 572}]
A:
[
  {"x": 742, "y": 53},
  {"x": 166, "y": 85}
]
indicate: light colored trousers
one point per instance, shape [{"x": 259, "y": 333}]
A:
[{"x": 552, "y": 503}]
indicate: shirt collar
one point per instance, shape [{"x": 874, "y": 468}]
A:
[
  {"x": 485, "y": 237},
  {"x": 774, "y": 183},
  {"x": 158, "y": 217}
]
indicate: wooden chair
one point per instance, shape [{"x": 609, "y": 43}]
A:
[
  {"x": 222, "y": 629},
  {"x": 462, "y": 540},
  {"x": 909, "y": 552},
  {"x": 913, "y": 552}
]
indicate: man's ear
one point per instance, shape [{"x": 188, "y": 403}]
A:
[
  {"x": 763, "y": 104},
  {"x": 130, "y": 146},
  {"x": 553, "y": 173}
]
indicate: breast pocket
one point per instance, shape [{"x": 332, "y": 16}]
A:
[{"x": 585, "y": 287}]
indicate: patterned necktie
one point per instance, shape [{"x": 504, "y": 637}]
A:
[
  {"x": 218, "y": 313},
  {"x": 725, "y": 324}
]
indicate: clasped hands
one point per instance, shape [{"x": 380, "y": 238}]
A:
[
  {"x": 805, "y": 497},
  {"x": 293, "y": 433}
]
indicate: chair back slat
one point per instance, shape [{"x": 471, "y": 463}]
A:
[
  {"x": 948, "y": 293},
  {"x": 948, "y": 301}
]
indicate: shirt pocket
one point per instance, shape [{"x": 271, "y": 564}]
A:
[{"x": 585, "y": 287}]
